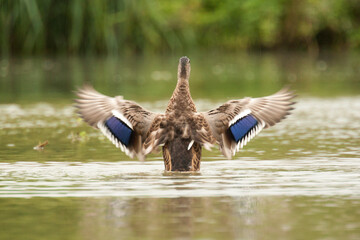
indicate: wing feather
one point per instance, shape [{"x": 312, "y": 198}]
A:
[
  {"x": 96, "y": 109},
  {"x": 226, "y": 120}
]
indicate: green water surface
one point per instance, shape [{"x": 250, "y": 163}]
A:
[{"x": 297, "y": 180}]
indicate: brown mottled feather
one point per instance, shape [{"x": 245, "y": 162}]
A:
[
  {"x": 195, "y": 161},
  {"x": 167, "y": 158}
]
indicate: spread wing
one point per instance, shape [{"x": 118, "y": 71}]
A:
[
  {"x": 236, "y": 122},
  {"x": 125, "y": 123}
]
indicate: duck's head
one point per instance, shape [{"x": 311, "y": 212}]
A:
[{"x": 184, "y": 68}]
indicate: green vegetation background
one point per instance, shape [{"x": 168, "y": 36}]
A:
[{"x": 141, "y": 26}]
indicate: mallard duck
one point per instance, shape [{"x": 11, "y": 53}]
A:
[{"x": 181, "y": 130}]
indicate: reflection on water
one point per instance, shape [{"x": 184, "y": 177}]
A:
[
  {"x": 243, "y": 217},
  {"x": 298, "y": 180},
  {"x": 213, "y": 76}
]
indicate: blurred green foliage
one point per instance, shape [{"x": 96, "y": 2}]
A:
[{"x": 140, "y": 26}]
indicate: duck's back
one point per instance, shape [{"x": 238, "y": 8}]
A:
[{"x": 182, "y": 150}]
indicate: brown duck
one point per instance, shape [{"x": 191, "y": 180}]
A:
[{"x": 181, "y": 130}]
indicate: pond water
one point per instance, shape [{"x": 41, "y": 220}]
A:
[{"x": 297, "y": 180}]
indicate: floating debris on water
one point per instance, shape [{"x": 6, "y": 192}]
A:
[{"x": 41, "y": 145}]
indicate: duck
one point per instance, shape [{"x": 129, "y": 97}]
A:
[{"x": 181, "y": 131}]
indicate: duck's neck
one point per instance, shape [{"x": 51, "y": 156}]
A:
[{"x": 181, "y": 98}]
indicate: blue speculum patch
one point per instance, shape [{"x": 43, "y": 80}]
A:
[
  {"x": 119, "y": 129},
  {"x": 242, "y": 127}
]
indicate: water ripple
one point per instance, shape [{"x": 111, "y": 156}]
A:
[{"x": 217, "y": 178}]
